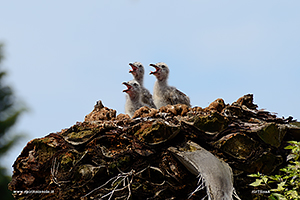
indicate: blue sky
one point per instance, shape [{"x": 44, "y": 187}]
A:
[{"x": 63, "y": 56}]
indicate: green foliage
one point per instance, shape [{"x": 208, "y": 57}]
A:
[
  {"x": 4, "y": 180},
  {"x": 287, "y": 184},
  {"x": 9, "y": 113}
]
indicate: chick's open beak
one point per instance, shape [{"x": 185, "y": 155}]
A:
[
  {"x": 134, "y": 68},
  {"x": 157, "y": 69},
  {"x": 128, "y": 86}
]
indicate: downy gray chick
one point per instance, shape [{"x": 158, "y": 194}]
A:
[
  {"x": 163, "y": 94},
  {"x": 138, "y": 74},
  {"x": 133, "y": 100}
]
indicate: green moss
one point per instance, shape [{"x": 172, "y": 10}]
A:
[
  {"x": 211, "y": 123},
  {"x": 44, "y": 150},
  {"x": 189, "y": 148},
  {"x": 266, "y": 163},
  {"x": 154, "y": 133},
  {"x": 295, "y": 124},
  {"x": 121, "y": 162},
  {"x": 67, "y": 160},
  {"x": 157, "y": 132},
  {"x": 80, "y": 136},
  {"x": 238, "y": 145},
  {"x": 272, "y": 134}
]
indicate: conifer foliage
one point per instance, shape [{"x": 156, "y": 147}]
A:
[{"x": 9, "y": 113}]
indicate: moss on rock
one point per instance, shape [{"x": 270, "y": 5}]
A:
[{"x": 272, "y": 134}]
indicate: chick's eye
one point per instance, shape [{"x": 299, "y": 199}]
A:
[
  {"x": 135, "y": 84},
  {"x": 163, "y": 66}
]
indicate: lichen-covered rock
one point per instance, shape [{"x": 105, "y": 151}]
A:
[
  {"x": 212, "y": 123},
  {"x": 100, "y": 113},
  {"x": 118, "y": 157},
  {"x": 145, "y": 112},
  {"x": 217, "y": 105},
  {"x": 30, "y": 168},
  {"x": 77, "y": 135},
  {"x": 237, "y": 145},
  {"x": 293, "y": 129},
  {"x": 173, "y": 110},
  {"x": 157, "y": 132},
  {"x": 272, "y": 133},
  {"x": 266, "y": 163},
  {"x": 247, "y": 100}
]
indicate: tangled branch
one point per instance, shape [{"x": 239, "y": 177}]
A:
[{"x": 122, "y": 179}]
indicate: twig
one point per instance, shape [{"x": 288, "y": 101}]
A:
[{"x": 124, "y": 179}]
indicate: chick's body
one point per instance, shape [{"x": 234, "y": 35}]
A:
[{"x": 163, "y": 94}]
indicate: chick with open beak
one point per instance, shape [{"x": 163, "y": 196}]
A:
[
  {"x": 162, "y": 71},
  {"x": 137, "y": 71},
  {"x": 138, "y": 75},
  {"x": 133, "y": 100},
  {"x": 163, "y": 94},
  {"x": 133, "y": 70}
]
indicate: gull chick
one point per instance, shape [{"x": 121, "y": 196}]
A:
[
  {"x": 133, "y": 100},
  {"x": 163, "y": 94},
  {"x": 138, "y": 74}
]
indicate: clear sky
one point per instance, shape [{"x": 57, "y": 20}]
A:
[{"x": 63, "y": 56}]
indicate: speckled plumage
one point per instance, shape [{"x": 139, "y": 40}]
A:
[
  {"x": 133, "y": 99},
  {"x": 138, "y": 74},
  {"x": 163, "y": 94}
]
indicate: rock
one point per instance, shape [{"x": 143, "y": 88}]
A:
[
  {"x": 272, "y": 133},
  {"x": 119, "y": 157},
  {"x": 294, "y": 129},
  {"x": 145, "y": 112},
  {"x": 123, "y": 117},
  {"x": 211, "y": 123},
  {"x": 100, "y": 113},
  {"x": 266, "y": 163},
  {"x": 247, "y": 101},
  {"x": 173, "y": 110},
  {"x": 157, "y": 132},
  {"x": 78, "y": 134},
  {"x": 217, "y": 105},
  {"x": 237, "y": 145}
]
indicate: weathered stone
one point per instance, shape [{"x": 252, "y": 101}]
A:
[
  {"x": 195, "y": 110},
  {"x": 173, "y": 110},
  {"x": 119, "y": 157},
  {"x": 77, "y": 138},
  {"x": 294, "y": 130},
  {"x": 41, "y": 150},
  {"x": 238, "y": 145},
  {"x": 247, "y": 100},
  {"x": 145, "y": 112},
  {"x": 157, "y": 132},
  {"x": 266, "y": 163},
  {"x": 84, "y": 173},
  {"x": 123, "y": 117},
  {"x": 217, "y": 105},
  {"x": 233, "y": 111},
  {"x": 213, "y": 123},
  {"x": 100, "y": 113},
  {"x": 297, "y": 124},
  {"x": 272, "y": 134}
]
